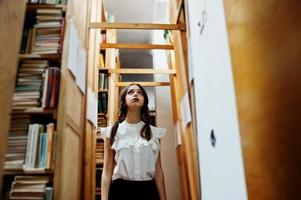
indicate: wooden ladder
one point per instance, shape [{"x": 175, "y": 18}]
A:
[{"x": 114, "y": 72}]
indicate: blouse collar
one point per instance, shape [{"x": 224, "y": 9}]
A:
[{"x": 141, "y": 123}]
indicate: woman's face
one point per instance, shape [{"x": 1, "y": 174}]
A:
[{"x": 134, "y": 97}]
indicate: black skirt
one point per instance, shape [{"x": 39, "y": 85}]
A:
[{"x": 121, "y": 189}]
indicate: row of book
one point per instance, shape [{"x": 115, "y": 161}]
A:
[
  {"x": 103, "y": 81},
  {"x": 39, "y": 149},
  {"x": 51, "y": 87},
  {"x": 37, "y": 85},
  {"x": 102, "y": 120},
  {"x": 31, "y": 150},
  {"x": 31, "y": 187},
  {"x": 17, "y": 141},
  {"x": 47, "y": 1},
  {"x": 99, "y": 152},
  {"x": 46, "y": 35},
  {"x": 102, "y": 102}
]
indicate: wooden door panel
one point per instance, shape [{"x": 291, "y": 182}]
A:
[
  {"x": 73, "y": 101},
  {"x": 70, "y": 131},
  {"x": 71, "y": 164}
]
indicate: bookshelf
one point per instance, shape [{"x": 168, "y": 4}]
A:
[
  {"x": 100, "y": 82},
  {"x": 108, "y": 59},
  {"x": 92, "y": 140},
  {"x": 32, "y": 139},
  {"x": 66, "y": 112}
]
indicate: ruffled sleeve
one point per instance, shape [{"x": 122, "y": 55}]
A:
[
  {"x": 160, "y": 132},
  {"x": 106, "y": 132}
]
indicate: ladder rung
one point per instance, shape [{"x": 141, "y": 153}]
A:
[
  {"x": 145, "y": 26},
  {"x": 142, "y": 71},
  {"x": 135, "y": 46},
  {"x": 152, "y": 84}
]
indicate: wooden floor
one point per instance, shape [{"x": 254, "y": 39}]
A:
[{"x": 266, "y": 56}]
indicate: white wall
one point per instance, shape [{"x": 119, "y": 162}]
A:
[{"x": 221, "y": 167}]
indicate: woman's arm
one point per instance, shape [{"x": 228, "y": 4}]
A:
[
  {"x": 159, "y": 178},
  {"x": 107, "y": 169}
]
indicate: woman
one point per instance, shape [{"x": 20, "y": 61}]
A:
[{"x": 132, "y": 163}]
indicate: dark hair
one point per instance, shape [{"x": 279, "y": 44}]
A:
[{"x": 145, "y": 131}]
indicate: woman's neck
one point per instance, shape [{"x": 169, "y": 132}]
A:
[{"x": 133, "y": 116}]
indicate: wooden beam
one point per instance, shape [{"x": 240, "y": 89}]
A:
[
  {"x": 135, "y": 46},
  {"x": 142, "y": 71},
  {"x": 144, "y": 26},
  {"x": 151, "y": 84},
  {"x": 180, "y": 6}
]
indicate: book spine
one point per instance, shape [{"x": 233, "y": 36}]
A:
[
  {"x": 41, "y": 150},
  {"x": 53, "y": 86},
  {"x": 50, "y": 87},
  {"x": 63, "y": 22},
  {"x": 45, "y": 138},
  {"x": 27, "y": 156},
  {"x": 45, "y": 88},
  {"x": 50, "y": 133}
]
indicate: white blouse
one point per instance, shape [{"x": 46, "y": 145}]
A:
[{"x": 135, "y": 157}]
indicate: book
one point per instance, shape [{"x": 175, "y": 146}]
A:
[
  {"x": 17, "y": 141},
  {"x": 48, "y": 193},
  {"x": 101, "y": 61},
  {"x": 50, "y": 144},
  {"x": 28, "y": 187}
]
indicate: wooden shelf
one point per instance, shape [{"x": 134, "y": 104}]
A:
[
  {"x": 38, "y": 111},
  {"x": 136, "y": 46},
  {"x": 22, "y": 171},
  {"x": 54, "y": 57},
  {"x": 99, "y": 163},
  {"x": 106, "y": 90},
  {"x": 98, "y": 137},
  {"x": 34, "y": 6},
  {"x": 103, "y": 70}
]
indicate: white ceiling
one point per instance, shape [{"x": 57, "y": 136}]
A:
[{"x": 136, "y": 11}]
